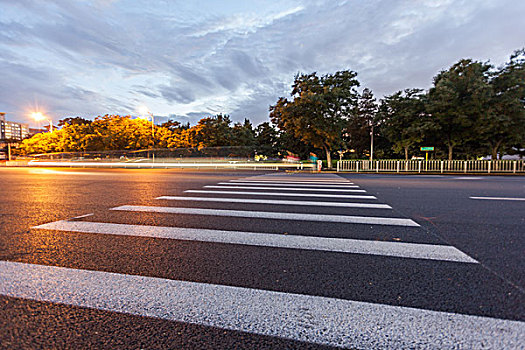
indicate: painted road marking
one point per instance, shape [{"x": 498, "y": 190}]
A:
[
  {"x": 277, "y": 202},
  {"x": 372, "y": 220},
  {"x": 284, "y": 188},
  {"x": 313, "y": 319},
  {"x": 500, "y": 198},
  {"x": 342, "y": 184},
  {"x": 467, "y": 178},
  {"x": 354, "y": 246},
  {"x": 347, "y": 196},
  {"x": 251, "y": 183},
  {"x": 291, "y": 179}
]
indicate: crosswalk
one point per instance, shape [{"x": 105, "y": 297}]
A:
[{"x": 325, "y": 214}]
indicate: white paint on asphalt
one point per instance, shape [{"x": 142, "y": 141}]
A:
[
  {"x": 354, "y": 246},
  {"x": 372, "y": 220},
  {"x": 284, "y": 188},
  {"x": 253, "y": 183},
  {"x": 83, "y": 216},
  {"x": 500, "y": 198},
  {"x": 304, "y": 183},
  {"x": 313, "y": 319},
  {"x": 346, "y": 196},
  {"x": 467, "y": 178},
  {"x": 277, "y": 202},
  {"x": 273, "y": 179}
]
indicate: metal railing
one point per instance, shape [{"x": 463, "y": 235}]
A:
[{"x": 433, "y": 166}]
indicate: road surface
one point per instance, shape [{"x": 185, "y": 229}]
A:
[{"x": 178, "y": 259}]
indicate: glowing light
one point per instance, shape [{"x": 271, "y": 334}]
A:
[
  {"x": 38, "y": 116},
  {"x": 144, "y": 111}
]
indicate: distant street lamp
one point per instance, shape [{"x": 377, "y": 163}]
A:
[
  {"x": 143, "y": 110},
  {"x": 38, "y": 116}
]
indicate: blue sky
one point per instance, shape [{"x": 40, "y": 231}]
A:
[{"x": 196, "y": 58}]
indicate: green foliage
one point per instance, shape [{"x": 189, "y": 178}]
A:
[
  {"x": 504, "y": 126},
  {"x": 318, "y": 109},
  {"x": 361, "y": 124},
  {"x": 459, "y": 98},
  {"x": 403, "y": 119},
  {"x": 472, "y": 109}
]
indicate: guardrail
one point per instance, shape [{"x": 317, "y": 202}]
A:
[
  {"x": 167, "y": 165},
  {"x": 433, "y": 166}
]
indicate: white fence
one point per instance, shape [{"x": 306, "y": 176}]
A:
[{"x": 434, "y": 166}]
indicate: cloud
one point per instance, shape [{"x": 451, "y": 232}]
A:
[{"x": 203, "y": 57}]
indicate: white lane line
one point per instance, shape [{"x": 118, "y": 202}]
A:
[
  {"x": 372, "y": 220},
  {"x": 286, "y": 188},
  {"x": 305, "y": 183},
  {"x": 292, "y": 179},
  {"x": 346, "y": 196},
  {"x": 277, "y": 202},
  {"x": 354, "y": 246},
  {"x": 307, "y": 318},
  {"x": 500, "y": 198},
  {"x": 284, "y": 184},
  {"x": 82, "y": 216}
]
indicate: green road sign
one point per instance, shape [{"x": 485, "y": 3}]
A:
[{"x": 427, "y": 148}]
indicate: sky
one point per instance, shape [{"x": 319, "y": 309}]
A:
[{"x": 191, "y": 59}]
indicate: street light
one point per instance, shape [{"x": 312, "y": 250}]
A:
[
  {"x": 143, "y": 110},
  {"x": 38, "y": 116}
]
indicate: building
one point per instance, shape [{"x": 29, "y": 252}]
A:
[
  {"x": 11, "y": 131},
  {"x": 10, "y": 134}
]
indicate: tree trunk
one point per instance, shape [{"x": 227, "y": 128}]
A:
[
  {"x": 450, "y": 149},
  {"x": 495, "y": 150},
  {"x": 328, "y": 158},
  {"x": 406, "y": 152}
]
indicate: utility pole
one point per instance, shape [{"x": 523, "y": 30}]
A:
[{"x": 372, "y": 143}]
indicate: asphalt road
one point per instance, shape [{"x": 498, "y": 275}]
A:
[{"x": 95, "y": 259}]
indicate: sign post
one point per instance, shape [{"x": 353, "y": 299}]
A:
[{"x": 426, "y": 150}]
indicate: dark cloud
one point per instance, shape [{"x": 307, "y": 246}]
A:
[{"x": 102, "y": 56}]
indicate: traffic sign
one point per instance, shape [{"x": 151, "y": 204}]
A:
[{"x": 427, "y": 148}]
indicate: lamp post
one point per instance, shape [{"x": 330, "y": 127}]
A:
[
  {"x": 38, "y": 116},
  {"x": 143, "y": 110}
]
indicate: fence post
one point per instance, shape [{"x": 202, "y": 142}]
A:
[
  {"x": 398, "y": 166},
  {"x": 465, "y": 167},
  {"x": 338, "y": 165},
  {"x": 357, "y": 166},
  {"x": 419, "y": 167},
  {"x": 441, "y": 167},
  {"x": 514, "y": 167},
  {"x": 377, "y": 166},
  {"x": 488, "y": 168}
]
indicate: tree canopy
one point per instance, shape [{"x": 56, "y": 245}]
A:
[
  {"x": 472, "y": 109},
  {"x": 318, "y": 109}
]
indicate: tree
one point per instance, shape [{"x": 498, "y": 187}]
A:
[
  {"x": 403, "y": 119},
  {"x": 359, "y": 131},
  {"x": 243, "y": 134},
  {"x": 211, "y": 132},
  {"x": 318, "y": 109},
  {"x": 172, "y": 125},
  {"x": 267, "y": 140},
  {"x": 459, "y": 99},
  {"x": 74, "y": 121},
  {"x": 505, "y": 124}
]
